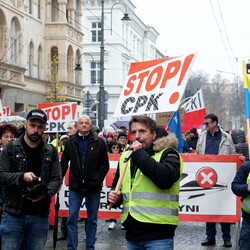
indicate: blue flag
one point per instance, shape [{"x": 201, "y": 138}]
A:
[
  {"x": 246, "y": 90},
  {"x": 174, "y": 126}
]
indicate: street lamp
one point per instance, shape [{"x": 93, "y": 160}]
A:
[
  {"x": 78, "y": 65},
  {"x": 102, "y": 94},
  {"x": 125, "y": 18}
]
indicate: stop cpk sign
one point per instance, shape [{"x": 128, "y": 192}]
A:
[
  {"x": 154, "y": 86},
  {"x": 59, "y": 115}
]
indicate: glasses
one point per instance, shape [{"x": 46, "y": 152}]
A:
[
  {"x": 113, "y": 147},
  {"x": 206, "y": 123}
]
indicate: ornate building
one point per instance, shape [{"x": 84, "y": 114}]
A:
[{"x": 32, "y": 33}]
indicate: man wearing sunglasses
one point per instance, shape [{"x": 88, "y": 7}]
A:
[{"x": 214, "y": 141}]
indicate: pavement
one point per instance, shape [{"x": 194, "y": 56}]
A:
[{"x": 189, "y": 236}]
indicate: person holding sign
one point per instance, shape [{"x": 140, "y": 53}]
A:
[
  {"x": 150, "y": 188},
  {"x": 89, "y": 164},
  {"x": 214, "y": 141}
]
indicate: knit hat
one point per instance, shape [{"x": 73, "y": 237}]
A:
[
  {"x": 109, "y": 134},
  {"x": 121, "y": 134},
  {"x": 193, "y": 130},
  {"x": 64, "y": 137}
]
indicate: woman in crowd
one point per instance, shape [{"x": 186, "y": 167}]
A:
[
  {"x": 8, "y": 132},
  {"x": 109, "y": 139},
  {"x": 114, "y": 148}
]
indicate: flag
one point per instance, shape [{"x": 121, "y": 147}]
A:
[
  {"x": 246, "y": 90},
  {"x": 174, "y": 126},
  {"x": 194, "y": 112}
]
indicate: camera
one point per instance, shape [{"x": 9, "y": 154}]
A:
[{"x": 34, "y": 189}]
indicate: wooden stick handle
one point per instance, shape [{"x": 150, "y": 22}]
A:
[{"x": 119, "y": 183}]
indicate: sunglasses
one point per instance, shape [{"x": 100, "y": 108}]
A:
[
  {"x": 113, "y": 147},
  {"x": 207, "y": 123}
]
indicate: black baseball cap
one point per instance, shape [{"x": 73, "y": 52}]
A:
[{"x": 37, "y": 114}]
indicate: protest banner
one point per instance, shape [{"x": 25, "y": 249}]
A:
[
  {"x": 205, "y": 190},
  {"x": 59, "y": 115},
  {"x": 154, "y": 86},
  {"x": 5, "y": 111}
]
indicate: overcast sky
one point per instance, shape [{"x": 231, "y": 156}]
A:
[{"x": 188, "y": 26}]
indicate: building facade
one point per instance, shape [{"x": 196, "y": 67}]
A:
[
  {"x": 124, "y": 42},
  {"x": 32, "y": 34}
]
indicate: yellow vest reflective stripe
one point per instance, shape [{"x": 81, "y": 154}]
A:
[
  {"x": 245, "y": 203},
  {"x": 145, "y": 201}
]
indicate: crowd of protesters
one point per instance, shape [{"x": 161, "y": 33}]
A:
[{"x": 88, "y": 169}]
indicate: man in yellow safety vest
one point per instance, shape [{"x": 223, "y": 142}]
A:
[{"x": 150, "y": 188}]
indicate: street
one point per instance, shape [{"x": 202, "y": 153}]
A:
[{"x": 189, "y": 235}]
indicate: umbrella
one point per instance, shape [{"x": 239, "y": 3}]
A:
[
  {"x": 21, "y": 114},
  {"x": 57, "y": 206},
  {"x": 16, "y": 120},
  {"x": 124, "y": 121}
]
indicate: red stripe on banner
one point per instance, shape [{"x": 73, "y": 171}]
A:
[
  {"x": 209, "y": 218},
  {"x": 138, "y": 66},
  {"x": 193, "y": 119}
]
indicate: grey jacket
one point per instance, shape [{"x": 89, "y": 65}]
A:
[
  {"x": 226, "y": 146},
  {"x": 12, "y": 168}
]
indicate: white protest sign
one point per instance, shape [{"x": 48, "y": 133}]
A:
[
  {"x": 154, "y": 86},
  {"x": 59, "y": 115},
  {"x": 1, "y": 107},
  {"x": 5, "y": 111},
  {"x": 195, "y": 103}
]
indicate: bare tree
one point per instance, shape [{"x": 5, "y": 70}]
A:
[{"x": 196, "y": 82}]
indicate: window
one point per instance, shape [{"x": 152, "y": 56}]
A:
[
  {"x": 13, "y": 42},
  {"x": 30, "y": 6},
  {"x": 96, "y": 32},
  {"x": 39, "y": 9},
  {"x": 39, "y": 64},
  {"x": 31, "y": 59},
  {"x": 77, "y": 73},
  {"x": 77, "y": 7},
  {"x": 95, "y": 72}
]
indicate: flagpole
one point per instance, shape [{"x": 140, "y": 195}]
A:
[
  {"x": 248, "y": 135},
  {"x": 246, "y": 82}
]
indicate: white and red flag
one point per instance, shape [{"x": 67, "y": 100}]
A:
[{"x": 194, "y": 112}]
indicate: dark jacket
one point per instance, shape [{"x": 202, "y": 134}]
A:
[
  {"x": 192, "y": 142},
  {"x": 239, "y": 139},
  {"x": 164, "y": 174},
  {"x": 12, "y": 168},
  {"x": 87, "y": 176},
  {"x": 239, "y": 185}
]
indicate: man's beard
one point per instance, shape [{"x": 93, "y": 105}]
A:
[{"x": 34, "y": 137}]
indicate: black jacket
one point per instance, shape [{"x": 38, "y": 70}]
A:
[
  {"x": 164, "y": 174},
  {"x": 87, "y": 176},
  {"x": 12, "y": 168},
  {"x": 239, "y": 185},
  {"x": 239, "y": 139},
  {"x": 192, "y": 142}
]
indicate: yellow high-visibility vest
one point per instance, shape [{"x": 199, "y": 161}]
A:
[
  {"x": 245, "y": 203},
  {"x": 146, "y": 202}
]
